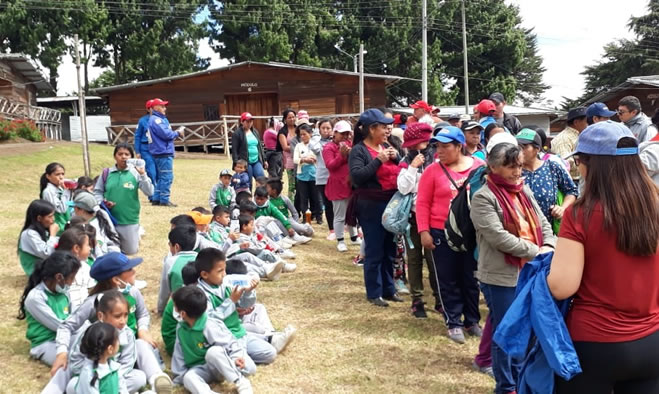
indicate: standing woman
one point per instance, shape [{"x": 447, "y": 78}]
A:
[
  {"x": 246, "y": 145},
  {"x": 273, "y": 154},
  {"x": 510, "y": 230},
  {"x": 373, "y": 171},
  {"x": 118, "y": 187},
  {"x": 322, "y": 173},
  {"x": 606, "y": 258},
  {"x": 458, "y": 288},
  {"x": 286, "y": 141},
  {"x": 305, "y": 160}
]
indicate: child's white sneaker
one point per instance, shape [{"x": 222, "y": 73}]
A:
[
  {"x": 272, "y": 271},
  {"x": 287, "y": 243},
  {"x": 140, "y": 284},
  {"x": 281, "y": 339},
  {"x": 301, "y": 239},
  {"x": 287, "y": 254},
  {"x": 331, "y": 236},
  {"x": 161, "y": 383},
  {"x": 244, "y": 386},
  {"x": 358, "y": 241},
  {"x": 341, "y": 247},
  {"x": 289, "y": 267}
]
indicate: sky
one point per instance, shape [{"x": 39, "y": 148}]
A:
[{"x": 571, "y": 35}]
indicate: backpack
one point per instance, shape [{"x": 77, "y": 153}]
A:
[
  {"x": 396, "y": 216},
  {"x": 104, "y": 177},
  {"x": 458, "y": 228}
]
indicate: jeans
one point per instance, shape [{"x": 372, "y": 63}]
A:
[
  {"x": 329, "y": 209},
  {"x": 254, "y": 170},
  {"x": 275, "y": 162},
  {"x": 165, "y": 171},
  {"x": 380, "y": 250},
  {"x": 458, "y": 288},
  {"x": 415, "y": 259},
  {"x": 308, "y": 198},
  {"x": 151, "y": 171},
  {"x": 505, "y": 368}
]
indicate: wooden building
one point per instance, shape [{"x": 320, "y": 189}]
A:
[
  {"x": 259, "y": 88},
  {"x": 20, "y": 79}
]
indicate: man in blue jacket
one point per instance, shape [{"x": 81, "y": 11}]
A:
[
  {"x": 142, "y": 145},
  {"x": 162, "y": 150}
]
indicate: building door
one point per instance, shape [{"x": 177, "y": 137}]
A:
[
  {"x": 264, "y": 104},
  {"x": 344, "y": 104}
]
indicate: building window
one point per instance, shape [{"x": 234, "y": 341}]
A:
[{"x": 211, "y": 112}]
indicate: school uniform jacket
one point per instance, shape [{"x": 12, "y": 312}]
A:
[
  {"x": 104, "y": 244},
  {"x": 31, "y": 248},
  {"x": 57, "y": 196},
  {"x": 220, "y": 194},
  {"x": 127, "y": 210},
  {"x": 270, "y": 210},
  {"x": 177, "y": 261},
  {"x": 225, "y": 310},
  {"x": 101, "y": 385},
  {"x": 44, "y": 311}
]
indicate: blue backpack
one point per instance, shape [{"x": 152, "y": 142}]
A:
[{"x": 396, "y": 216}]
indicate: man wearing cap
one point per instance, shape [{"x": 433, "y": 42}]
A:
[
  {"x": 454, "y": 120},
  {"x": 422, "y": 111},
  {"x": 473, "y": 131},
  {"x": 598, "y": 112},
  {"x": 162, "y": 150},
  {"x": 484, "y": 112},
  {"x": 509, "y": 121},
  {"x": 566, "y": 140},
  {"x": 246, "y": 144},
  {"x": 629, "y": 112},
  {"x": 142, "y": 145}
]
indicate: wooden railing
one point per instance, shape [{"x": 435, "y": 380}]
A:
[{"x": 47, "y": 120}]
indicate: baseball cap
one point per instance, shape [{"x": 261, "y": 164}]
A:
[
  {"x": 449, "y": 134},
  {"x": 497, "y": 97},
  {"x": 157, "y": 101},
  {"x": 602, "y": 139},
  {"x": 417, "y": 133},
  {"x": 372, "y": 116},
  {"x": 245, "y": 116},
  {"x": 342, "y": 126},
  {"x": 397, "y": 119},
  {"x": 453, "y": 116},
  {"x": 599, "y": 109},
  {"x": 86, "y": 201},
  {"x": 472, "y": 124},
  {"x": 112, "y": 264},
  {"x": 528, "y": 136},
  {"x": 574, "y": 113},
  {"x": 200, "y": 218},
  {"x": 423, "y": 105},
  {"x": 500, "y": 139},
  {"x": 485, "y": 107},
  {"x": 435, "y": 109},
  {"x": 149, "y": 104},
  {"x": 225, "y": 172}
]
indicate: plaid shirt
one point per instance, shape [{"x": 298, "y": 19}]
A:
[{"x": 564, "y": 144}]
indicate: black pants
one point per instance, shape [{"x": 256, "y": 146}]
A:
[
  {"x": 329, "y": 209},
  {"x": 308, "y": 197},
  {"x": 275, "y": 162},
  {"x": 623, "y": 367}
]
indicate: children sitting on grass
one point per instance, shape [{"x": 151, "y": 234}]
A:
[
  {"x": 253, "y": 243},
  {"x": 38, "y": 236},
  {"x": 182, "y": 240},
  {"x": 284, "y": 204},
  {"x": 222, "y": 193}
]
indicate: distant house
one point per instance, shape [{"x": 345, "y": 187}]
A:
[{"x": 21, "y": 79}]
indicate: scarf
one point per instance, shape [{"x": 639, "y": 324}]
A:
[{"x": 502, "y": 191}]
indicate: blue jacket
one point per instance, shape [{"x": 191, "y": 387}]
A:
[
  {"x": 535, "y": 320},
  {"x": 141, "y": 140},
  {"x": 162, "y": 135},
  {"x": 240, "y": 181}
]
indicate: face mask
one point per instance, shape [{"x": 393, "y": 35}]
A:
[
  {"x": 62, "y": 289},
  {"x": 126, "y": 288},
  {"x": 262, "y": 205},
  {"x": 177, "y": 316}
]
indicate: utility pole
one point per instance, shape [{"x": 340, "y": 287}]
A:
[
  {"x": 354, "y": 61},
  {"x": 83, "y": 114},
  {"x": 361, "y": 78},
  {"x": 424, "y": 52},
  {"x": 464, "y": 55}
]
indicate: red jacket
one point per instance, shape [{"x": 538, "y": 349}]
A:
[{"x": 338, "y": 185}]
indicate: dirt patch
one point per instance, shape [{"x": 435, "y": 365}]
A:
[{"x": 20, "y": 146}]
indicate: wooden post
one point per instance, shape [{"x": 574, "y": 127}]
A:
[
  {"x": 226, "y": 137},
  {"x": 83, "y": 118}
]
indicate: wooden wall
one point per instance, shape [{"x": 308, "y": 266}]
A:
[
  {"x": 318, "y": 93},
  {"x": 14, "y": 87},
  {"x": 648, "y": 96}
]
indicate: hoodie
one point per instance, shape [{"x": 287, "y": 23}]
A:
[{"x": 649, "y": 155}]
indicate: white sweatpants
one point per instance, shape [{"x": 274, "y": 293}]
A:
[
  {"x": 258, "y": 322},
  {"x": 46, "y": 352},
  {"x": 219, "y": 366}
]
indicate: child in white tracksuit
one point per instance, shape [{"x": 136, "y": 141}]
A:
[
  {"x": 52, "y": 190},
  {"x": 38, "y": 236}
]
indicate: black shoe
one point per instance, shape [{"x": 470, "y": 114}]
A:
[
  {"x": 439, "y": 309},
  {"x": 419, "y": 310},
  {"x": 319, "y": 220},
  {"x": 394, "y": 298},
  {"x": 169, "y": 204},
  {"x": 378, "y": 302},
  {"x": 155, "y": 203}
]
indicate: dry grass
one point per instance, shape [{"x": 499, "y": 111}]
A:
[{"x": 343, "y": 343}]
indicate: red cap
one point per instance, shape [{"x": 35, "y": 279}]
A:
[
  {"x": 157, "y": 101},
  {"x": 245, "y": 116},
  {"x": 416, "y": 133},
  {"x": 435, "y": 109},
  {"x": 397, "y": 119},
  {"x": 423, "y": 105},
  {"x": 485, "y": 107},
  {"x": 149, "y": 104}
]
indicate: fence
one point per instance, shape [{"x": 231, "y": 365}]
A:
[
  {"x": 204, "y": 134},
  {"x": 47, "y": 120}
]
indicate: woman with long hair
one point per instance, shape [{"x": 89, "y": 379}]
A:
[
  {"x": 286, "y": 141},
  {"x": 606, "y": 258},
  {"x": 273, "y": 150}
]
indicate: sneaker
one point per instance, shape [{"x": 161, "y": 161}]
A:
[
  {"x": 394, "y": 298},
  {"x": 155, "y": 203},
  {"x": 331, "y": 236},
  {"x": 281, "y": 339},
  {"x": 289, "y": 267},
  {"x": 358, "y": 241},
  {"x": 378, "y": 302},
  {"x": 400, "y": 286},
  {"x": 142, "y": 232},
  {"x": 341, "y": 247},
  {"x": 456, "y": 335},
  {"x": 486, "y": 370},
  {"x": 286, "y": 243},
  {"x": 162, "y": 384},
  {"x": 287, "y": 254},
  {"x": 319, "y": 220},
  {"x": 140, "y": 284},
  {"x": 273, "y": 270},
  {"x": 301, "y": 239},
  {"x": 419, "y": 310},
  {"x": 244, "y": 386},
  {"x": 168, "y": 204},
  {"x": 358, "y": 261},
  {"x": 475, "y": 331}
]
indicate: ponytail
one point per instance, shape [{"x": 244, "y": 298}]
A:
[
  {"x": 106, "y": 227},
  {"x": 106, "y": 301},
  {"x": 43, "y": 182},
  {"x": 359, "y": 134},
  {"x": 59, "y": 262},
  {"x": 98, "y": 337}
]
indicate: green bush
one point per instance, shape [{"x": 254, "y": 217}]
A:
[
  {"x": 28, "y": 130},
  {"x": 7, "y": 129}
]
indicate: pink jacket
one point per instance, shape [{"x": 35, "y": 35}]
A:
[{"x": 338, "y": 185}]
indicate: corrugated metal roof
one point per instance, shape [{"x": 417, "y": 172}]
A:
[
  {"x": 391, "y": 78},
  {"x": 28, "y": 69},
  {"x": 59, "y": 99},
  {"x": 652, "y": 80}
]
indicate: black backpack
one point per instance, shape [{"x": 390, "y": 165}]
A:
[{"x": 458, "y": 228}]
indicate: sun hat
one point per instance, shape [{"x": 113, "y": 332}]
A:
[
  {"x": 200, "y": 218},
  {"x": 112, "y": 264},
  {"x": 372, "y": 116},
  {"x": 416, "y": 133},
  {"x": 342, "y": 126},
  {"x": 574, "y": 113},
  {"x": 528, "y": 136},
  {"x": 500, "y": 139},
  {"x": 602, "y": 139},
  {"x": 449, "y": 134}
]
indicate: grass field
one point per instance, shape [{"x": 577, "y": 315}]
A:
[{"x": 343, "y": 344}]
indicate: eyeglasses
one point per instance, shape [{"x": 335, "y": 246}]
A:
[{"x": 622, "y": 112}]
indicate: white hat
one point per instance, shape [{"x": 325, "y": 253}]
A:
[
  {"x": 500, "y": 138},
  {"x": 342, "y": 126}
]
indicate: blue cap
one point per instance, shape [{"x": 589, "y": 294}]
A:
[
  {"x": 602, "y": 139},
  {"x": 599, "y": 109},
  {"x": 372, "y": 116},
  {"x": 112, "y": 264},
  {"x": 449, "y": 134}
]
